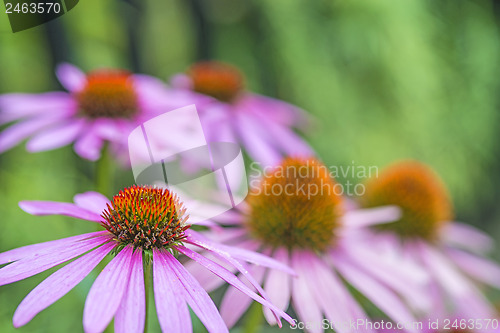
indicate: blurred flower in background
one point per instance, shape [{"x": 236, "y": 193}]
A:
[
  {"x": 263, "y": 126},
  {"x": 296, "y": 214},
  {"x": 100, "y": 107},
  {"x": 453, "y": 253},
  {"x": 144, "y": 227}
]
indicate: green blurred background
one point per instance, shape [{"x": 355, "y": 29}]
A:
[{"x": 385, "y": 80}]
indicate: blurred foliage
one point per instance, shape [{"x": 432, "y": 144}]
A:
[{"x": 384, "y": 79}]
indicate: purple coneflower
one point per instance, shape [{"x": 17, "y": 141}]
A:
[
  {"x": 102, "y": 106},
  {"x": 451, "y": 252},
  {"x": 296, "y": 215},
  {"x": 144, "y": 226},
  {"x": 263, "y": 126}
]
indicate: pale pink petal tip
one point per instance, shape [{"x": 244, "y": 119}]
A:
[
  {"x": 71, "y": 77},
  {"x": 42, "y": 208}
]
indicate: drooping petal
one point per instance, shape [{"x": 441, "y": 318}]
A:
[
  {"x": 171, "y": 307},
  {"x": 361, "y": 218},
  {"x": 131, "y": 314},
  {"x": 19, "y": 106},
  {"x": 59, "y": 284},
  {"x": 47, "y": 258},
  {"x": 325, "y": 287},
  {"x": 305, "y": 305},
  {"x": 89, "y": 145},
  {"x": 408, "y": 279},
  {"x": 196, "y": 296},
  {"x": 91, "y": 201},
  {"x": 278, "y": 286},
  {"x": 41, "y": 208},
  {"x": 107, "y": 292},
  {"x": 228, "y": 276},
  {"x": 28, "y": 250},
  {"x": 255, "y": 141},
  {"x": 16, "y": 133},
  {"x": 235, "y": 252},
  {"x": 56, "y": 137},
  {"x": 466, "y": 237},
  {"x": 235, "y": 303},
  {"x": 480, "y": 269},
  {"x": 377, "y": 293}
]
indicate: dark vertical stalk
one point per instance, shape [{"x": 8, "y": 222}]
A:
[
  {"x": 132, "y": 16},
  {"x": 202, "y": 29},
  {"x": 57, "y": 41}
]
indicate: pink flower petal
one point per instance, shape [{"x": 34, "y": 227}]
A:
[
  {"x": 131, "y": 314},
  {"x": 52, "y": 104},
  {"x": 171, "y": 307},
  {"x": 89, "y": 145},
  {"x": 71, "y": 77},
  {"x": 361, "y": 218},
  {"x": 325, "y": 287},
  {"x": 41, "y": 208},
  {"x": 235, "y": 303},
  {"x": 107, "y": 292},
  {"x": 196, "y": 296},
  {"x": 234, "y": 252},
  {"x": 59, "y": 284},
  {"x": 94, "y": 202},
  {"x": 256, "y": 142},
  {"x": 28, "y": 250},
  {"x": 480, "y": 269},
  {"x": 278, "y": 286},
  {"x": 403, "y": 277},
  {"x": 466, "y": 237},
  {"x": 305, "y": 305},
  {"x": 376, "y": 292},
  {"x": 229, "y": 277},
  {"x": 47, "y": 258},
  {"x": 56, "y": 137},
  {"x": 14, "y": 134}
]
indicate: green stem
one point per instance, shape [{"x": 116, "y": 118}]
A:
[
  {"x": 253, "y": 318},
  {"x": 147, "y": 262},
  {"x": 103, "y": 173}
]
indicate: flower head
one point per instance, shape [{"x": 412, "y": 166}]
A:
[
  {"x": 297, "y": 215},
  {"x": 144, "y": 226},
  {"x": 100, "y": 107},
  {"x": 450, "y": 251},
  {"x": 263, "y": 126},
  {"x": 414, "y": 187}
]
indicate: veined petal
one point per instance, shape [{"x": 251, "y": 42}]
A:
[
  {"x": 91, "y": 201},
  {"x": 131, "y": 314},
  {"x": 28, "y": 250},
  {"x": 171, "y": 307},
  {"x": 278, "y": 285},
  {"x": 235, "y": 303},
  {"x": 47, "y": 258},
  {"x": 42, "y": 208},
  {"x": 59, "y": 284},
  {"x": 107, "y": 292},
  {"x": 303, "y": 300},
  {"x": 237, "y": 253},
  {"x": 196, "y": 296},
  {"x": 228, "y": 276}
]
